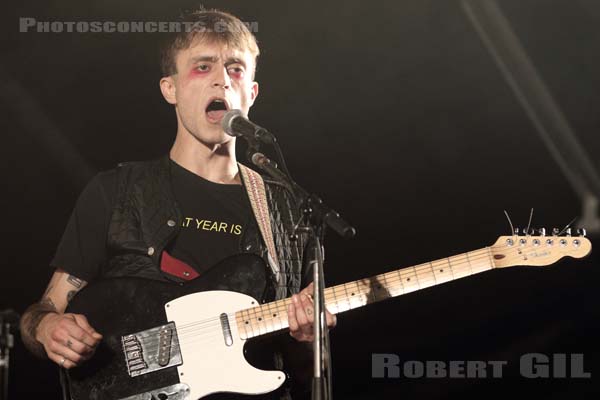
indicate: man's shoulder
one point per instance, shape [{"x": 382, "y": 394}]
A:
[
  {"x": 109, "y": 179},
  {"x": 140, "y": 165},
  {"x": 139, "y": 169}
]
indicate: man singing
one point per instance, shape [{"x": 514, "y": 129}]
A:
[{"x": 174, "y": 218}]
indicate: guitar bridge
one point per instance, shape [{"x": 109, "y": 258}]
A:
[{"x": 151, "y": 350}]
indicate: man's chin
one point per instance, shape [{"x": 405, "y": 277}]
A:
[{"x": 218, "y": 138}]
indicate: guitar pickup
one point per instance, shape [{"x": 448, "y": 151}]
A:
[{"x": 151, "y": 350}]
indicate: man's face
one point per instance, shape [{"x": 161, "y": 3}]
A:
[{"x": 211, "y": 79}]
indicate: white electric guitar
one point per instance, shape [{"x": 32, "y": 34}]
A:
[{"x": 165, "y": 341}]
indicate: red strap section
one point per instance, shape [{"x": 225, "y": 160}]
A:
[{"x": 178, "y": 268}]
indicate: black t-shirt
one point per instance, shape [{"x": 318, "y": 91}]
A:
[{"x": 215, "y": 216}]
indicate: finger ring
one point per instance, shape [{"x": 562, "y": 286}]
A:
[
  {"x": 62, "y": 361},
  {"x": 69, "y": 343}
]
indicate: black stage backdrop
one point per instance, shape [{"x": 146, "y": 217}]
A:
[{"x": 394, "y": 112}]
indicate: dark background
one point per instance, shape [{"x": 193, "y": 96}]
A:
[{"x": 394, "y": 112}]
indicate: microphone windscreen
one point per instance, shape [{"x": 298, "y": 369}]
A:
[{"x": 227, "y": 121}]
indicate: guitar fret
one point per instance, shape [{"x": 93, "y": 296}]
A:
[
  {"x": 356, "y": 295},
  {"x": 440, "y": 272},
  {"x": 433, "y": 273},
  {"x": 249, "y": 323},
  {"x": 409, "y": 281},
  {"x": 469, "y": 262},
  {"x": 450, "y": 267},
  {"x": 268, "y": 319},
  {"x": 386, "y": 285},
  {"x": 254, "y": 321},
  {"x": 371, "y": 291},
  {"x": 279, "y": 312},
  {"x": 403, "y": 291},
  {"x": 384, "y": 290},
  {"x": 347, "y": 297},
  {"x": 416, "y": 277},
  {"x": 336, "y": 300}
]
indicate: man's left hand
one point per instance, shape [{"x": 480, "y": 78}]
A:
[{"x": 301, "y": 315}]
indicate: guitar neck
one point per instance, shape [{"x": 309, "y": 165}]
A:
[{"x": 272, "y": 317}]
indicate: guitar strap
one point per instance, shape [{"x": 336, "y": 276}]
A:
[{"x": 255, "y": 188}]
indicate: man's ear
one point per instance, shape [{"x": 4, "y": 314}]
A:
[
  {"x": 168, "y": 89},
  {"x": 253, "y": 92}
]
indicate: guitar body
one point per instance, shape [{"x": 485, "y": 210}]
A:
[{"x": 207, "y": 362}]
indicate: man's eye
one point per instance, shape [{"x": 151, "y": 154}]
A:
[
  {"x": 236, "y": 71},
  {"x": 202, "y": 67}
]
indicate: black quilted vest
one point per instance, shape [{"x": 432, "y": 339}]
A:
[{"x": 146, "y": 218}]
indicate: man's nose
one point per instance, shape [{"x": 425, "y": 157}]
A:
[{"x": 222, "y": 79}]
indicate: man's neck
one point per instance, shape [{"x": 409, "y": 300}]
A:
[{"x": 216, "y": 163}]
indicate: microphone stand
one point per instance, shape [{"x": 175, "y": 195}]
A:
[
  {"x": 316, "y": 218},
  {"x": 8, "y": 319}
]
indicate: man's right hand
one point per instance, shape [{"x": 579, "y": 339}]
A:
[{"x": 68, "y": 339}]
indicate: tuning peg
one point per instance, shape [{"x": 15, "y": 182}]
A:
[
  {"x": 581, "y": 232},
  {"x": 528, "y": 232},
  {"x": 542, "y": 231},
  {"x": 568, "y": 232},
  {"x": 555, "y": 231},
  {"x": 517, "y": 231}
]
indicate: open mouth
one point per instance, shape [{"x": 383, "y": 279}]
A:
[{"x": 216, "y": 109}]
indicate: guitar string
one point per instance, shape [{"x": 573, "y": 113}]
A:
[
  {"x": 418, "y": 271},
  {"x": 218, "y": 335},
  {"x": 421, "y": 269},
  {"x": 270, "y": 324},
  {"x": 214, "y": 331},
  {"x": 422, "y": 266},
  {"x": 281, "y": 308}
]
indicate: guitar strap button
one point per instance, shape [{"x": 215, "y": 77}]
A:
[{"x": 150, "y": 251}]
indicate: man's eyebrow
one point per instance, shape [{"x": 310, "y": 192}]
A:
[
  {"x": 214, "y": 59},
  {"x": 234, "y": 60},
  {"x": 204, "y": 58}
]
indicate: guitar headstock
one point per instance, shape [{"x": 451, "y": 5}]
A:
[{"x": 540, "y": 250}]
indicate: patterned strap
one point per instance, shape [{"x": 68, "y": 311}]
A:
[{"x": 255, "y": 188}]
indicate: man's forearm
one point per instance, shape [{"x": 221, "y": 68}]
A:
[{"x": 31, "y": 320}]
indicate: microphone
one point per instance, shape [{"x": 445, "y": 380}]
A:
[
  {"x": 235, "y": 123},
  {"x": 264, "y": 163}
]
